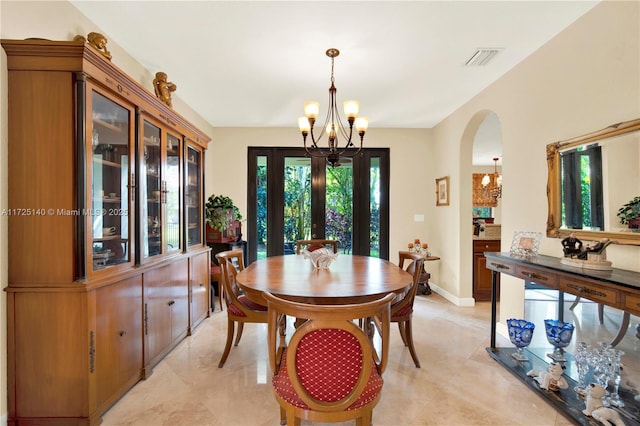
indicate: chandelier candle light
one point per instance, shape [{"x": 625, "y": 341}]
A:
[
  {"x": 492, "y": 183},
  {"x": 333, "y": 126}
]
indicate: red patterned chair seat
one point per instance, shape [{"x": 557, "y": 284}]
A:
[
  {"x": 247, "y": 303},
  {"x": 405, "y": 310},
  {"x": 331, "y": 376}
]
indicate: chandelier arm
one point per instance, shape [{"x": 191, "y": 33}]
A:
[{"x": 333, "y": 128}]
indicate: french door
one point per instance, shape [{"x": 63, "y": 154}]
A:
[{"x": 291, "y": 196}]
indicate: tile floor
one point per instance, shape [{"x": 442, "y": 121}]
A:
[{"x": 458, "y": 384}]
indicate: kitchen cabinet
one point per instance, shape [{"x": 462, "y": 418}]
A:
[{"x": 482, "y": 275}]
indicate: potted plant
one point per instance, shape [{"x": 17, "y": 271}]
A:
[
  {"x": 223, "y": 218},
  {"x": 629, "y": 213}
]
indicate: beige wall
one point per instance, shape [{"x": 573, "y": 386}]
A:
[
  {"x": 583, "y": 80},
  {"x": 410, "y": 158}
]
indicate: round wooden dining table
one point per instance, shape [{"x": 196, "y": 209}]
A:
[{"x": 349, "y": 279}]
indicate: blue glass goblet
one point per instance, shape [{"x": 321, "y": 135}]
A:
[
  {"x": 520, "y": 334},
  {"x": 559, "y": 334}
]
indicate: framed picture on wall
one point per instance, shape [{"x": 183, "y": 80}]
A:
[{"x": 442, "y": 191}]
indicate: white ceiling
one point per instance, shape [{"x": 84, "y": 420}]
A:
[{"x": 253, "y": 64}]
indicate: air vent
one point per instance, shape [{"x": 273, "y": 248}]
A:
[{"x": 482, "y": 57}]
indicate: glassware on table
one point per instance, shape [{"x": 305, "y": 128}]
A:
[
  {"x": 520, "y": 334},
  {"x": 582, "y": 364},
  {"x": 559, "y": 334},
  {"x": 614, "y": 397}
]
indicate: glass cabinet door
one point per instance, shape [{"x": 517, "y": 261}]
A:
[
  {"x": 160, "y": 191},
  {"x": 151, "y": 191},
  {"x": 193, "y": 196},
  {"x": 171, "y": 187},
  {"x": 109, "y": 175}
]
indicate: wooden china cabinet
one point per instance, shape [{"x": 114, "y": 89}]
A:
[{"x": 108, "y": 269}]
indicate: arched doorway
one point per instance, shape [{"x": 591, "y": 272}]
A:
[{"x": 481, "y": 141}]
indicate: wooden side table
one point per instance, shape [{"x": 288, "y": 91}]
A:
[{"x": 423, "y": 284}]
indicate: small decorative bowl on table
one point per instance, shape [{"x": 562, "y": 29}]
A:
[
  {"x": 559, "y": 334},
  {"x": 520, "y": 334},
  {"x": 320, "y": 258}
]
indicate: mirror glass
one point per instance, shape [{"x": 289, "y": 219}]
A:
[{"x": 590, "y": 178}]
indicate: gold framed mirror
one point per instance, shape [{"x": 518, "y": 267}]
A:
[{"x": 590, "y": 178}]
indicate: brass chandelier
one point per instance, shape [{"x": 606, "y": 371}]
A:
[
  {"x": 333, "y": 127},
  {"x": 492, "y": 183}
]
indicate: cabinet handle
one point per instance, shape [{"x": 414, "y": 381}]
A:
[
  {"x": 92, "y": 352},
  {"x": 201, "y": 284},
  {"x": 585, "y": 290},
  {"x": 122, "y": 333},
  {"x": 171, "y": 303},
  {"x": 146, "y": 320},
  {"x": 534, "y": 275},
  {"x": 499, "y": 265}
]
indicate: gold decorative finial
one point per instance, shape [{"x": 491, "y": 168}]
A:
[
  {"x": 97, "y": 41},
  {"x": 163, "y": 88}
]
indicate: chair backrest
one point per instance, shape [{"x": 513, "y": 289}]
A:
[
  {"x": 415, "y": 269},
  {"x": 312, "y": 245},
  {"x": 228, "y": 271},
  {"x": 329, "y": 358}
]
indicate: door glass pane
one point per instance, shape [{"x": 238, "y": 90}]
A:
[
  {"x": 109, "y": 186},
  {"x": 171, "y": 181},
  {"x": 261, "y": 206},
  {"x": 193, "y": 197},
  {"x": 151, "y": 192},
  {"x": 374, "y": 207},
  {"x": 339, "y": 204},
  {"x": 297, "y": 202}
]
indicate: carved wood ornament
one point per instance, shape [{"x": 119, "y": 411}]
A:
[
  {"x": 163, "y": 88},
  {"x": 97, "y": 41}
]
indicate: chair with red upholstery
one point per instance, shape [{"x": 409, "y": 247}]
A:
[
  {"x": 312, "y": 245},
  {"x": 330, "y": 371},
  {"x": 402, "y": 309},
  {"x": 216, "y": 272},
  {"x": 240, "y": 309}
]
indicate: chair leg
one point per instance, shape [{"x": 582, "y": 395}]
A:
[
  {"x": 292, "y": 420},
  {"x": 283, "y": 416},
  {"x": 601, "y": 313},
  {"x": 623, "y": 329},
  {"x": 403, "y": 333},
  {"x": 409, "y": 332},
  {"x": 239, "y": 335},
  {"x": 220, "y": 294},
  {"x": 365, "y": 420},
  {"x": 227, "y": 347},
  {"x": 575, "y": 303}
]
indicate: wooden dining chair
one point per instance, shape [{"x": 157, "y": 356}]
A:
[
  {"x": 329, "y": 372},
  {"x": 240, "y": 309},
  {"x": 402, "y": 308},
  {"x": 312, "y": 245}
]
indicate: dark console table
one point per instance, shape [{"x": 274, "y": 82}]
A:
[{"x": 617, "y": 288}]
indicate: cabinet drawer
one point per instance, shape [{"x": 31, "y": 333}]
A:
[
  {"x": 536, "y": 275},
  {"x": 595, "y": 293},
  {"x": 496, "y": 265},
  {"x": 480, "y": 246},
  {"x": 631, "y": 304}
]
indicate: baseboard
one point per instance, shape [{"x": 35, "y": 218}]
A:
[{"x": 462, "y": 302}]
